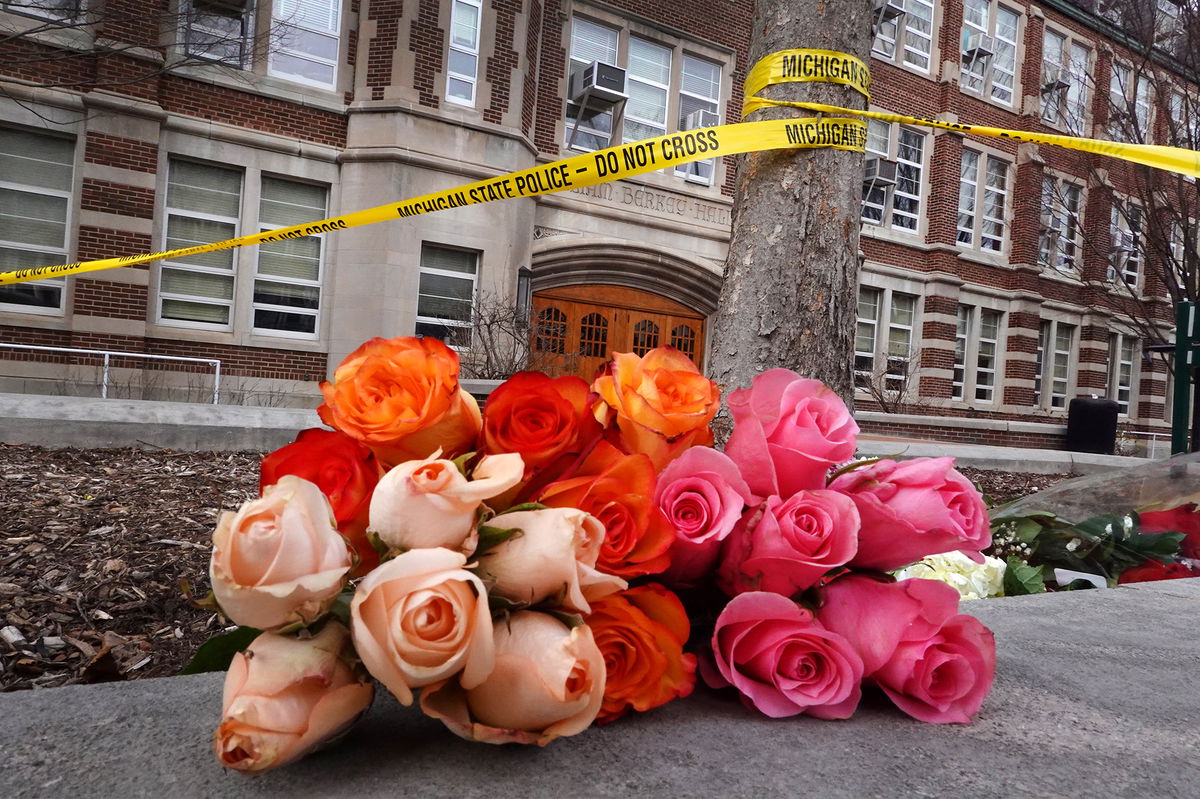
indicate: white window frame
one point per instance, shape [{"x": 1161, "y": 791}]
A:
[
  {"x": 319, "y": 283},
  {"x": 687, "y": 171},
  {"x": 1060, "y": 240},
  {"x": 1070, "y": 112},
  {"x": 425, "y": 270},
  {"x": 969, "y": 349},
  {"x": 979, "y": 192},
  {"x": 902, "y": 37},
  {"x": 1118, "y": 345},
  {"x": 665, "y": 88},
  {"x": 1050, "y": 356},
  {"x": 232, "y": 272},
  {"x": 882, "y": 358},
  {"x": 1127, "y": 254},
  {"x": 245, "y": 50},
  {"x": 473, "y": 80},
  {"x": 60, "y": 255},
  {"x": 1183, "y": 111},
  {"x": 888, "y": 214},
  {"x": 28, "y": 9},
  {"x": 572, "y": 66},
  {"x": 281, "y": 48},
  {"x": 1130, "y": 97},
  {"x": 987, "y": 87}
]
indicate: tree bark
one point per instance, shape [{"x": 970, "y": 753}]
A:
[{"x": 790, "y": 289}]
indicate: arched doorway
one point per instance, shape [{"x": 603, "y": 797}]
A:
[
  {"x": 595, "y": 296},
  {"x": 576, "y": 327}
]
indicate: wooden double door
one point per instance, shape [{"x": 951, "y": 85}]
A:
[{"x": 576, "y": 327}]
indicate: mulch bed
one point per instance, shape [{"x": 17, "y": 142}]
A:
[{"x": 94, "y": 544}]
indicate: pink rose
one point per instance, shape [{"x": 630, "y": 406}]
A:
[
  {"x": 552, "y": 559},
  {"x": 279, "y": 561},
  {"x": 548, "y": 683},
  {"x": 702, "y": 494},
  {"x": 912, "y": 509},
  {"x": 937, "y": 665},
  {"x": 429, "y": 503},
  {"x": 782, "y": 660},
  {"x": 786, "y": 546},
  {"x": 421, "y": 618},
  {"x": 284, "y": 696},
  {"x": 788, "y": 430}
]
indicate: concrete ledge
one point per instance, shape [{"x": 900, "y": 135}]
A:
[
  {"x": 1092, "y": 698},
  {"x": 963, "y": 423},
  {"x": 1012, "y": 459},
  {"x": 87, "y": 422}
]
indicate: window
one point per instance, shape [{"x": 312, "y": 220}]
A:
[
  {"x": 989, "y": 54},
  {"x": 976, "y": 348},
  {"x": 1184, "y": 120},
  {"x": 906, "y": 147},
  {"x": 47, "y": 9},
  {"x": 1125, "y": 228},
  {"x": 446, "y": 294},
  {"x": 220, "y": 30},
  {"x": 1065, "y": 66},
  {"x": 908, "y": 37},
  {"x": 590, "y": 41},
  {"x": 891, "y": 359},
  {"x": 1129, "y": 105},
  {"x": 699, "y": 106},
  {"x": 462, "y": 66},
  {"x": 307, "y": 46},
  {"x": 551, "y": 331},
  {"x": 593, "y": 336},
  {"x": 645, "y": 337},
  {"x": 36, "y": 179},
  {"x": 683, "y": 338},
  {"x": 646, "y": 82},
  {"x": 981, "y": 201},
  {"x": 1056, "y": 343},
  {"x": 287, "y": 285},
  {"x": 1121, "y": 350},
  {"x": 1167, "y": 30},
  {"x": 1059, "y": 242},
  {"x": 203, "y": 205}
]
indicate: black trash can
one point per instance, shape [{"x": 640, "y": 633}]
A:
[{"x": 1092, "y": 425}]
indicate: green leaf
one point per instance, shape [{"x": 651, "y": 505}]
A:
[
  {"x": 1020, "y": 578},
  {"x": 494, "y": 536},
  {"x": 217, "y": 652},
  {"x": 500, "y": 606},
  {"x": 525, "y": 506},
  {"x": 853, "y": 465},
  {"x": 340, "y": 609},
  {"x": 461, "y": 463}
]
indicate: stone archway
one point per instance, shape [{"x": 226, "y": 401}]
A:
[{"x": 598, "y": 297}]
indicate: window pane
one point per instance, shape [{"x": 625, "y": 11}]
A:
[
  {"x": 464, "y": 30},
  {"x": 35, "y": 219},
  {"x": 288, "y": 294},
  {"x": 195, "y": 312},
  {"x": 700, "y": 77},
  {"x": 649, "y": 61},
  {"x": 286, "y": 65},
  {"x": 206, "y": 189},
  {"x": 267, "y": 319},
  {"x": 184, "y": 231},
  {"x": 287, "y": 202},
  {"x": 462, "y": 63},
  {"x": 316, "y": 14},
  {"x": 197, "y": 284},
  {"x": 593, "y": 42},
  {"x": 299, "y": 259},
  {"x": 34, "y": 159},
  {"x": 433, "y": 257},
  {"x": 454, "y": 336},
  {"x": 310, "y": 43}
]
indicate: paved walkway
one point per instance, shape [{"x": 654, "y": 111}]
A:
[
  {"x": 979, "y": 456},
  {"x": 1094, "y": 696}
]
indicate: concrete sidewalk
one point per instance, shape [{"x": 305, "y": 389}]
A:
[
  {"x": 1011, "y": 459},
  {"x": 1094, "y": 696}
]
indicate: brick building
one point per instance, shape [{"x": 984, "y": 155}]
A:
[{"x": 990, "y": 289}]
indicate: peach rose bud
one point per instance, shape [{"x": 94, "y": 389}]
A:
[
  {"x": 279, "y": 560},
  {"x": 552, "y": 559},
  {"x": 429, "y": 503},
  {"x": 548, "y": 683},
  {"x": 421, "y": 618},
  {"x": 285, "y": 696}
]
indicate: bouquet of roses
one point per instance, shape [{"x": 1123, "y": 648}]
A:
[{"x": 514, "y": 566}]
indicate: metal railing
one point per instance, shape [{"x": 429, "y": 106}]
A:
[{"x": 108, "y": 355}]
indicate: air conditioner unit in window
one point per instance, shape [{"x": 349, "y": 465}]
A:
[
  {"x": 701, "y": 119},
  {"x": 1055, "y": 79},
  {"x": 888, "y": 10},
  {"x": 597, "y": 81},
  {"x": 977, "y": 45},
  {"x": 879, "y": 172}
]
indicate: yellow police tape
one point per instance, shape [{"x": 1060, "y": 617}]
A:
[
  {"x": 670, "y": 150},
  {"x": 578, "y": 171}
]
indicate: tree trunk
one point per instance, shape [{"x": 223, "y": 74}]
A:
[{"x": 790, "y": 290}]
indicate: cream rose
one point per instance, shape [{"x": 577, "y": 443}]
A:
[
  {"x": 420, "y": 618},
  {"x": 552, "y": 558},
  {"x": 548, "y": 683},
  {"x": 970, "y": 579},
  {"x": 428, "y": 503},
  {"x": 279, "y": 560},
  {"x": 284, "y": 696}
]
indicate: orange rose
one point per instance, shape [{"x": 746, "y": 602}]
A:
[
  {"x": 661, "y": 404},
  {"x": 540, "y": 417},
  {"x": 401, "y": 398},
  {"x": 618, "y": 490},
  {"x": 641, "y": 633}
]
